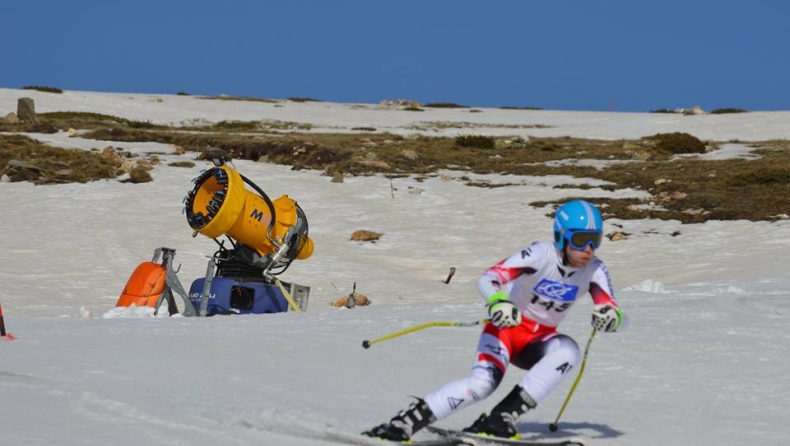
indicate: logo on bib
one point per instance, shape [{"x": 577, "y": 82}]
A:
[{"x": 556, "y": 290}]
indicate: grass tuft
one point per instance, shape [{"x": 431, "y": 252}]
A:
[
  {"x": 677, "y": 143},
  {"x": 479, "y": 141},
  {"x": 444, "y": 105},
  {"x": 721, "y": 111}
]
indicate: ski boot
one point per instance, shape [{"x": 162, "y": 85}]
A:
[
  {"x": 403, "y": 425},
  {"x": 502, "y": 421}
]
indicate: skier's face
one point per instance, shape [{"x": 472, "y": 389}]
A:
[{"x": 578, "y": 258}]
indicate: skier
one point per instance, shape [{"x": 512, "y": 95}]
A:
[{"x": 528, "y": 295}]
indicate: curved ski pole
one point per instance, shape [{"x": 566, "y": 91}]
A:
[
  {"x": 553, "y": 426},
  {"x": 367, "y": 344}
]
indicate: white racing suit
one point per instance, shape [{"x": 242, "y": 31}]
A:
[{"x": 544, "y": 290}]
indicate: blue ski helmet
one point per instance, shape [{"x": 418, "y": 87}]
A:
[{"x": 579, "y": 223}]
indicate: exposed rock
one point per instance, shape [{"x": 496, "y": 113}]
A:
[
  {"x": 400, "y": 103},
  {"x": 22, "y": 171},
  {"x": 214, "y": 153},
  {"x": 696, "y": 212},
  {"x": 26, "y": 110},
  {"x": 337, "y": 178},
  {"x": 363, "y": 235},
  {"x": 617, "y": 236},
  {"x": 663, "y": 197},
  {"x": 11, "y": 118},
  {"x": 111, "y": 154},
  {"x": 359, "y": 300},
  {"x": 372, "y": 163},
  {"x": 695, "y": 110},
  {"x": 127, "y": 166},
  {"x": 146, "y": 164},
  {"x": 303, "y": 148},
  {"x": 409, "y": 154}
]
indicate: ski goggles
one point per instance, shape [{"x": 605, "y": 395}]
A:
[{"x": 580, "y": 239}]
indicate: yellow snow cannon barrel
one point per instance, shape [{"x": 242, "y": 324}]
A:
[{"x": 220, "y": 205}]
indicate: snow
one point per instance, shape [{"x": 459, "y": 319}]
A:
[{"x": 702, "y": 362}]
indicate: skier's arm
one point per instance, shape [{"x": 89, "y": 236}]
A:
[
  {"x": 494, "y": 279},
  {"x": 492, "y": 287},
  {"x": 607, "y": 315}
]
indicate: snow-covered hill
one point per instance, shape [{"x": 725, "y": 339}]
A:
[{"x": 701, "y": 363}]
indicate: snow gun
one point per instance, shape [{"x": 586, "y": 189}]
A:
[
  {"x": 267, "y": 234},
  {"x": 265, "y": 237}
]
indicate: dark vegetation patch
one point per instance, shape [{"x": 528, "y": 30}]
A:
[
  {"x": 425, "y": 125},
  {"x": 237, "y": 126},
  {"x": 677, "y": 143},
  {"x": 479, "y": 141},
  {"x": 513, "y": 107},
  {"x": 683, "y": 188},
  {"x": 721, "y": 190},
  {"x": 717, "y": 111},
  {"x": 444, "y": 105},
  {"x": 49, "y": 165},
  {"x": 303, "y": 99},
  {"x": 188, "y": 164},
  {"x": 54, "y": 121},
  {"x": 45, "y": 89},
  {"x": 721, "y": 111},
  {"x": 224, "y": 97}
]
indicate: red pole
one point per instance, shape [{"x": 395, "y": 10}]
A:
[{"x": 3, "y": 333}]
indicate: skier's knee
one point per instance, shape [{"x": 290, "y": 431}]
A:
[
  {"x": 569, "y": 348},
  {"x": 484, "y": 380}
]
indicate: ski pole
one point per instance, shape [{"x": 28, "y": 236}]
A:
[
  {"x": 553, "y": 426},
  {"x": 367, "y": 344}
]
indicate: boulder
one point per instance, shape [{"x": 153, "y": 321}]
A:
[
  {"x": 360, "y": 300},
  {"x": 363, "y": 235},
  {"x": 12, "y": 118},
  {"x": 26, "y": 110}
]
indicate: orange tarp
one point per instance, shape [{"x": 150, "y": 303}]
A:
[{"x": 144, "y": 287}]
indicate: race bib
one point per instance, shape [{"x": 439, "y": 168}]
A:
[{"x": 556, "y": 291}]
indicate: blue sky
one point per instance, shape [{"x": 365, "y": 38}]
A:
[{"x": 564, "y": 55}]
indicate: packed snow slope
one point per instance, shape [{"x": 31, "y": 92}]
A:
[{"x": 700, "y": 364}]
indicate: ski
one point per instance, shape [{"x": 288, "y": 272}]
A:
[
  {"x": 362, "y": 440},
  {"x": 488, "y": 440}
]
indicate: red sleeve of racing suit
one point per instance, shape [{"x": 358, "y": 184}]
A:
[
  {"x": 601, "y": 286},
  {"x": 494, "y": 278}
]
